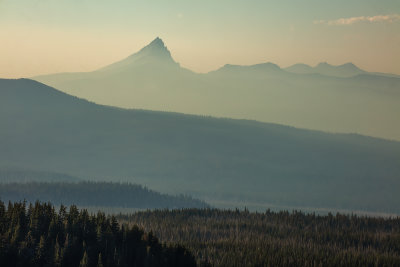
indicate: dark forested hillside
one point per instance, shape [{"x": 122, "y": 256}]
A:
[
  {"x": 96, "y": 194},
  {"x": 240, "y": 238},
  {"x": 39, "y": 235},
  {"x": 238, "y": 160}
]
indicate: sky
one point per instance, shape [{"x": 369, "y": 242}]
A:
[{"x": 50, "y": 36}]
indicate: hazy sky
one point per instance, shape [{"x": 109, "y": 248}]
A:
[{"x": 47, "y": 36}]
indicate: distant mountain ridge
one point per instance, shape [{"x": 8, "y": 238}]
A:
[
  {"x": 268, "y": 66},
  {"x": 156, "y": 52},
  {"x": 324, "y": 97},
  {"x": 16, "y": 175},
  {"x": 228, "y": 160},
  {"x": 345, "y": 70}
]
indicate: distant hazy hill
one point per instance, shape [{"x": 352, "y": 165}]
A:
[
  {"x": 345, "y": 70},
  {"x": 233, "y": 160},
  {"x": 95, "y": 194},
  {"x": 330, "y": 98},
  {"x": 16, "y": 175}
]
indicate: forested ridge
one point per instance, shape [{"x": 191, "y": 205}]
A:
[
  {"x": 38, "y": 235},
  {"x": 98, "y": 194},
  {"x": 223, "y": 159},
  {"x": 242, "y": 238}
]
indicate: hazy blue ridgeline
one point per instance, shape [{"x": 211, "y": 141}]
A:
[
  {"x": 95, "y": 194},
  {"x": 16, "y": 175},
  {"x": 227, "y": 159}
]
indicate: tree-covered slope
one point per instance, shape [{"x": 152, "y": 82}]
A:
[
  {"x": 39, "y": 235},
  {"x": 242, "y": 238},
  {"x": 241, "y": 160}
]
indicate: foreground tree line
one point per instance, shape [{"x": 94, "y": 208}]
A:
[
  {"x": 38, "y": 235},
  {"x": 241, "y": 238}
]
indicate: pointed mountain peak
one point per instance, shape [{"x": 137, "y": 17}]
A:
[
  {"x": 154, "y": 54},
  {"x": 158, "y": 42},
  {"x": 157, "y": 45},
  {"x": 155, "y": 50}
]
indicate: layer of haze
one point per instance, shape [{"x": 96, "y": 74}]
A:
[{"x": 44, "y": 36}]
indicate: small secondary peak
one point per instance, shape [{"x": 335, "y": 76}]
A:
[
  {"x": 350, "y": 65},
  {"x": 323, "y": 64}
]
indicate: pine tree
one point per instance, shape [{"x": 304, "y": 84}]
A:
[
  {"x": 85, "y": 260},
  {"x": 100, "y": 261},
  {"x": 57, "y": 253},
  {"x": 17, "y": 235},
  {"x": 41, "y": 254}
]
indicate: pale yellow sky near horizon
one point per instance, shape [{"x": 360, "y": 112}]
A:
[{"x": 43, "y": 36}]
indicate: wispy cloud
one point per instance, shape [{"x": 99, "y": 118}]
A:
[{"x": 348, "y": 21}]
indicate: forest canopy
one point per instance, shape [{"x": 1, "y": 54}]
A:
[
  {"x": 38, "y": 235},
  {"x": 243, "y": 238}
]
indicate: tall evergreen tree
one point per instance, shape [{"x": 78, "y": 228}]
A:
[
  {"x": 84, "y": 261},
  {"x": 100, "y": 261}
]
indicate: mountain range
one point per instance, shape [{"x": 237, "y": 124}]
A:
[
  {"x": 345, "y": 70},
  {"x": 330, "y": 98},
  {"x": 216, "y": 159}
]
